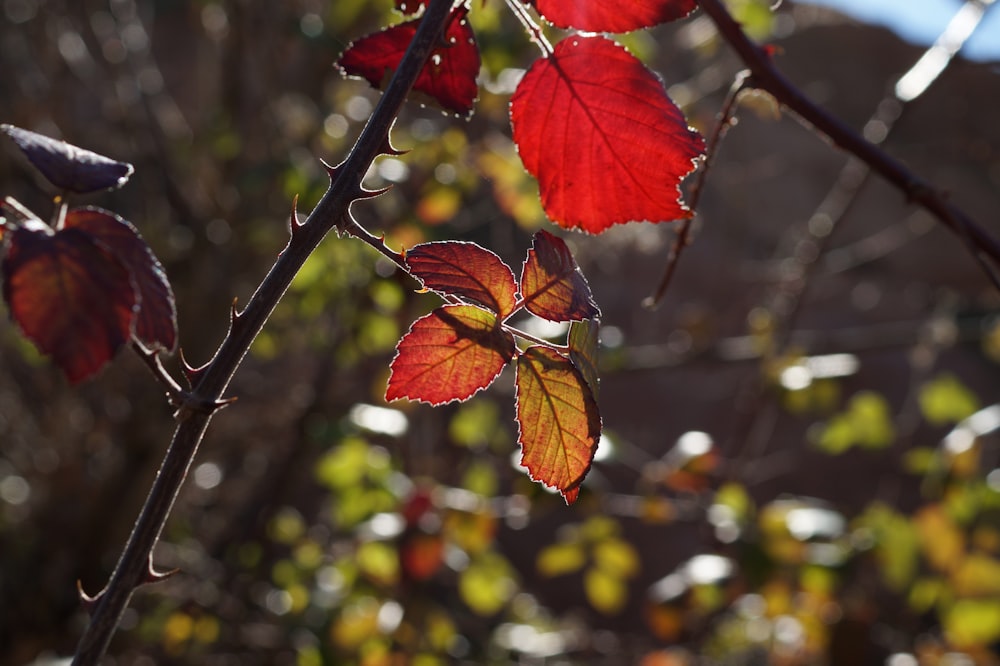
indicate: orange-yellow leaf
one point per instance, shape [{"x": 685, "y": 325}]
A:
[
  {"x": 448, "y": 355},
  {"x": 559, "y": 421}
]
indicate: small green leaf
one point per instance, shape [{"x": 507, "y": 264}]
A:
[{"x": 946, "y": 400}]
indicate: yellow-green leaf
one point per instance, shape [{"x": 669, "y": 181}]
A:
[
  {"x": 561, "y": 558},
  {"x": 616, "y": 557},
  {"x": 559, "y": 421},
  {"x": 946, "y": 400},
  {"x": 606, "y": 592}
]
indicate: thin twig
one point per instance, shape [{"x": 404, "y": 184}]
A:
[
  {"x": 682, "y": 237},
  {"x": 134, "y": 566}
]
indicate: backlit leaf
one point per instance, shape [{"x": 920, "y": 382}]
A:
[
  {"x": 598, "y": 131},
  {"x": 70, "y": 296},
  {"x": 449, "y": 75},
  {"x": 559, "y": 421},
  {"x": 156, "y": 320},
  {"x": 552, "y": 285},
  {"x": 66, "y": 166},
  {"x": 467, "y": 270},
  {"x": 583, "y": 346},
  {"x": 612, "y": 15},
  {"x": 448, "y": 355}
]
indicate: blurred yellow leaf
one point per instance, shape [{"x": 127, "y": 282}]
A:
[
  {"x": 977, "y": 575},
  {"x": 286, "y": 526},
  {"x": 942, "y": 542},
  {"x": 924, "y": 593},
  {"x": 896, "y": 544},
  {"x": 473, "y": 531},
  {"x": 971, "y": 623},
  {"x": 946, "y": 400},
  {"x": 561, "y": 558},
  {"x": 616, "y": 557},
  {"x": 177, "y": 630},
  {"x": 439, "y": 205},
  {"x": 356, "y": 624},
  {"x": 487, "y": 584},
  {"x": 866, "y": 422},
  {"x": 606, "y": 592},
  {"x": 734, "y": 497},
  {"x": 379, "y": 561},
  {"x": 344, "y": 464},
  {"x": 598, "y": 528},
  {"x": 206, "y": 629}
]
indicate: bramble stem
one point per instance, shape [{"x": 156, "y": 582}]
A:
[{"x": 134, "y": 566}]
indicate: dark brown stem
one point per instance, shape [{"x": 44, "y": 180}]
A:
[
  {"x": 134, "y": 566},
  {"x": 764, "y": 75}
]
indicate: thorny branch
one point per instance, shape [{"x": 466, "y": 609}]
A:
[
  {"x": 209, "y": 382},
  {"x": 765, "y": 76}
]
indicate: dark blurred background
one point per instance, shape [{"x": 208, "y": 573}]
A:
[{"x": 800, "y": 461}]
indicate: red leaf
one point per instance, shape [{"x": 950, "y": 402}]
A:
[
  {"x": 552, "y": 285},
  {"x": 421, "y": 555},
  {"x": 449, "y": 75},
  {"x": 155, "y": 323},
  {"x": 612, "y": 15},
  {"x": 70, "y": 296},
  {"x": 448, "y": 355},
  {"x": 467, "y": 270},
  {"x": 559, "y": 420},
  {"x": 600, "y": 134}
]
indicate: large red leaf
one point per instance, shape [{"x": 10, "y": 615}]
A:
[
  {"x": 552, "y": 285},
  {"x": 70, "y": 296},
  {"x": 559, "y": 421},
  {"x": 467, "y": 270},
  {"x": 598, "y": 131},
  {"x": 448, "y": 355},
  {"x": 612, "y": 15},
  {"x": 449, "y": 75},
  {"x": 155, "y": 324}
]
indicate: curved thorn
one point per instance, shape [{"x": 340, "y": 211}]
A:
[
  {"x": 388, "y": 149},
  {"x": 191, "y": 373},
  {"x": 154, "y": 576},
  {"x": 293, "y": 219},
  {"x": 331, "y": 171},
  {"x": 364, "y": 193},
  {"x": 86, "y": 601}
]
